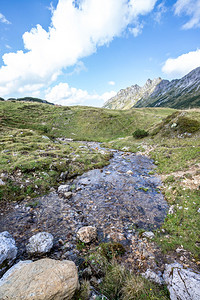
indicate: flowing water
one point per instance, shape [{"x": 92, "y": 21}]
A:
[{"x": 117, "y": 199}]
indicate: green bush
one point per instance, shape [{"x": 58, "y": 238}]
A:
[
  {"x": 188, "y": 125},
  {"x": 140, "y": 133}
]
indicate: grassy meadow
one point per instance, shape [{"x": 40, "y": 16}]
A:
[{"x": 36, "y": 151}]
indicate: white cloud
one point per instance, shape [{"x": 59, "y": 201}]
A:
[
  {"x": 74, "y": 33},
  {"x": 190, "y": 8},
  {"x": 183, "y": 64},
  {"x": 78, "y": 68},
  {"x": 111, "y": 82},
  {"x": 3, "y": 19},
  {"x": 137, "y": 29},
  {"x": 63, "y": 94},
  {"x": 161, "y": 9}
]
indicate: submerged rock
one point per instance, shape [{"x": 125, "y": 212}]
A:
[
  {"x": 87, "y": 234},
  {"x": 40, "y": 243},
  {"x": 8, "y": 251},
  {"x": 182, "y": 283},
  {"x": 42, "y": 280},
  {"x": 67, "y": 195}
]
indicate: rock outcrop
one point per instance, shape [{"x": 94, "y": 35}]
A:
[
  {"x": 182, "y": 283},
  {"x": 8, "y": 251},
  {"x": 42, "y": 280}
]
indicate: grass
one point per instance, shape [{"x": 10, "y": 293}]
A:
[
  {"x": 121, "y": 284},
  {"x": 32, "y": 158},
  {"x": 79, "y": 123},
  {"x": 31, "y": 163},
  {"x": 118, "y": 283}
]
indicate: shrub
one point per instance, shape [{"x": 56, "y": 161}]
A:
[
  {"x": 140, "y": 133},
  {"x": 188, "y": 125}
]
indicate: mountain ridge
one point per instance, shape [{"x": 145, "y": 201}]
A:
[{"x": 178, "y": 93}]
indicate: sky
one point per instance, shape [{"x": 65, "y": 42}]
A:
[{"x": 82, "y": 52}]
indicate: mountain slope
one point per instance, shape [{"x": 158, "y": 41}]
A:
[
  {"x": 179, "y": 93},
  {"x": 127, "y": 98}
]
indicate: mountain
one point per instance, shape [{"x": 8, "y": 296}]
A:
[
  {"x": 179, "y": 93},
  {"x": 128, "y": 97}
]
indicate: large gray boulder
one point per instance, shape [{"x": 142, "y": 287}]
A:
[
  {"x": 183, "y": 284},
  {"x": 44, "y": 279},
  {"x": 8, "y": 251},
  {"x": 41, "y": 242}
]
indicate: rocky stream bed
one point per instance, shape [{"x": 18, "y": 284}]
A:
[
  {"x": 121, "y": 201},
  {"x": 118, "y": 199}
]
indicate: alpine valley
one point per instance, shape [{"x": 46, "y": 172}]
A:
[{"x": 181, "y": 93}]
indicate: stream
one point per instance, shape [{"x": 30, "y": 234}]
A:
[{"x": 118, "y": 199}]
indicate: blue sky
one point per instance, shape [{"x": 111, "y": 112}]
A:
[{"x": 83, "y": 52}]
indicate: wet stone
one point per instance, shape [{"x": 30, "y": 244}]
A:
[{"x": 42, "y": 242}]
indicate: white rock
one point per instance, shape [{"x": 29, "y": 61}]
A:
[
  {"x": 43, "y": 279},
  {"x": 151, "y": 275},
  {"x": 171, "y": 210},
  {"x": 125, "y": 148},
  {"x": 67, "y": 195},
  {"x": 40, "y": 243},
  {"x": 148, "y": 234},
  {"x": 2, "y": 182},
  {"x": 182, "y": 283},
  {"x": 107, "y": 172},
  {"x": 8, "y": 250},
  {"x": 198, "y": 210},
  {"x": 63, "y": 188},
  {"x": 129, "y": 172},
  {"x": 87, "y": 234}
]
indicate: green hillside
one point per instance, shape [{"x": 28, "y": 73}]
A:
[{"x": 79, "y": 123}]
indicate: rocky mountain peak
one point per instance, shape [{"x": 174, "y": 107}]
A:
[
  {"x": 178, "y": 93},
  {"x": 127, "y": 98}
]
